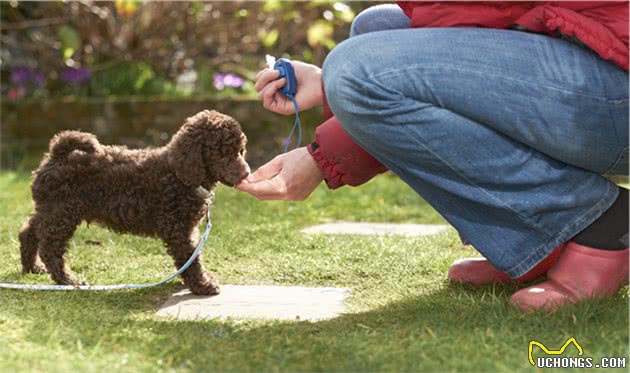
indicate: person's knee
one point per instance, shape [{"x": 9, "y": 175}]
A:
[
  {"x": 378, "y": 18},
  {"x": 361, "y": 23},
  {"x": 342, "y": 74}
]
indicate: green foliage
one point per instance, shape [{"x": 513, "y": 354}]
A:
[
  {"x": 196, "y": 7},
  {"x": 343, "y": 11},
  {"x": 70, "y": 41},
  {"x": 128, "y": 79},
  {"x": 320, "y": 33},
  {"x": 269, "y": 38},
  {"x": 274, "y": 5},
  {"x": 135, "y": 47}
]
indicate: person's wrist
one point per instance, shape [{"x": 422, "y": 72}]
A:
[
  {"x": 320, "y": 83},
  {"x": 312, "y": 148},
  {"x": 315, "y": 77}
]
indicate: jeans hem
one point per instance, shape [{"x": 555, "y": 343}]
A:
[{"x": 570, "y": 230}]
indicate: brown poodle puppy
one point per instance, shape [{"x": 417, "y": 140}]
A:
[{"x": 149, "y": 192}]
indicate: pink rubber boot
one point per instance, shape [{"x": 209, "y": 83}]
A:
[
  {"x": 479, "y": 271},
  {"x": 580, "y": 273}
]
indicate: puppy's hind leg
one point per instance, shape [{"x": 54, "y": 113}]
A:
[
  {"x": 28, "y": 247},
  {"x": 54, "y": 232},
  {"x": 195, "y": 277}
]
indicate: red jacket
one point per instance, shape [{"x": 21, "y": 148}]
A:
[{"x": 600, "y": 25}]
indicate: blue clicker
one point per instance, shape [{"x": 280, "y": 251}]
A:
[{"x": 285, "y": 68}]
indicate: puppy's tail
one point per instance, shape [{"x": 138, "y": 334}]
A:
[{"x": 67, "y": 142}]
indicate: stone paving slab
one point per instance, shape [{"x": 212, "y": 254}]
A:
[
  {"x": 379, "y": 229},
  {"x": 258, "y": 302}
]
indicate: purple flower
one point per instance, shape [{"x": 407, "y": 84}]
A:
[
  {"x": 232, "y": 80},
  {"x": 39, "y": 79},
  {"x": 20, "y": 75},
  {"x": 223, "y": 80},
  {"x": 23, "y": 76},
  {"x": 72, "y": 75},
  {"x": 218, "y": 81}
]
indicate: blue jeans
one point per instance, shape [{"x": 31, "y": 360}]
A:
[{"x": 505, "y": 133}]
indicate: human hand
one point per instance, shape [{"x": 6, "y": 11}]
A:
[
  {"x": 290, "y": 176},
  {"x": 309, "y": 92}
]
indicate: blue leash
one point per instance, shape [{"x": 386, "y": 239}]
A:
[
  {"x": 195, "y": 254},
  {"x": 296, "y": 124}
]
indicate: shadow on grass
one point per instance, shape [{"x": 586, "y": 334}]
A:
[{"x": 453, "y": 328}]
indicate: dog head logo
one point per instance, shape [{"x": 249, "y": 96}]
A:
[{"x": 553, "y": 352}]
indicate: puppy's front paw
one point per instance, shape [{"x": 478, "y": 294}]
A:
[
  {"x": 205, "y": 286},
  {"x": 205, "y": 289},
  {"x": 68, "y": 279}
]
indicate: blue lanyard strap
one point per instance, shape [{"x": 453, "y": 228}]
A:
[{"x": 296, "y": 124}]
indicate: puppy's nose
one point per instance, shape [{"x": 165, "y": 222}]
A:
[{"x": 244, "y": 175}]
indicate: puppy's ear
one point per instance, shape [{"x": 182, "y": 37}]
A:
[{"x": 185, "y": 156}]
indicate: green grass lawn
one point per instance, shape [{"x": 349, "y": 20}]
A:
[{"x": 404, "y": 315}]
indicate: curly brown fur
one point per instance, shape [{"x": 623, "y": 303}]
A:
[{"x": 150, "y": 192}]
